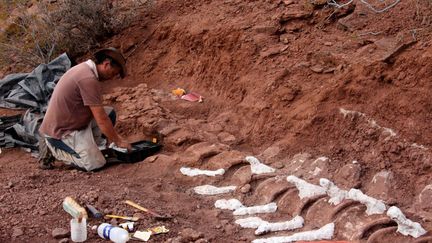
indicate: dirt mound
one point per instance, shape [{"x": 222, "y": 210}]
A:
[{"x": 348, "y": 83}]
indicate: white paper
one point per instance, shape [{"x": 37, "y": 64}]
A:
[{"x": 142, "y": 235}]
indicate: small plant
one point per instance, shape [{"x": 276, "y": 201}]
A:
[
  {"x": 87, "y": 22},
  {"x": 27, "y": 40},
  {"x": 68, "y": 26}
]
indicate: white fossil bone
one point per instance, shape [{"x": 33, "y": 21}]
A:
[
  {"x": 197, "y": 172},
  {"x": 268, "y": 208},
  {"x": 212, "y": 190},
  {"x": 373, "y": 206},
  {"x": 250, "y": 222},
  {"x": 295, "y": 223},
  {"x": 405, "y": 226},
  {"x": 231, "y": 204},
  {"x": 324, "y": 233},
  {"x": 336, "y": 195},
  {"x": 257, "y": 167},
  {"x": 306, "y": 189}
]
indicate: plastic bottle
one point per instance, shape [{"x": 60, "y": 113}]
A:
[
  {"x": 78, "y": 230},
  {"x": 115, "y": 234}
]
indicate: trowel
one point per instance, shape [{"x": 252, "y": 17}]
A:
[{"x": 154, "y": 214}]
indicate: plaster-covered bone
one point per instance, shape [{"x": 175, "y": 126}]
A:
[
  {"x": 336, "y": 195},
  {"x": 324, "y": 233},
  {"x": 405, "y": 226},
  {"x": 295, "y": 223},
  {"x": 373, "y": 206},
  {"x": 257, "y": 167},
  {"x": 268, "y": 208},
  {"x": 263, "y": 226},
  {"x": 212, "y": 190},
  {"x": 250, "y": 222},
  {"x": 231, "y": 204},
  {"x": 306, "y": 189},
  {"x": 197, "y": 172}
]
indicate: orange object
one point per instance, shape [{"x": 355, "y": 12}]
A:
[{"x": 178, "y": 92}]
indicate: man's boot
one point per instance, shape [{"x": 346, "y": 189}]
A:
[{"x": 46, "y": 159}]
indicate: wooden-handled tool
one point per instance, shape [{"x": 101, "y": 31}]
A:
[
  {"x": 154, "y": 214},
  {"x": 122, "y": 217}
]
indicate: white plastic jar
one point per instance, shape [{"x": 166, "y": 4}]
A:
[{"x": 78, "y": 230}]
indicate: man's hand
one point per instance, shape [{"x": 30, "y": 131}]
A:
[
  {"x": 106, "y": 126},
  {"x": 123, "y": 143}
]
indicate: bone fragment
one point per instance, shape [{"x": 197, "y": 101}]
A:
[
  {"x": 231, "y": 204},
  {"x": 405, "y": 226},
  {"x": 257, "y": 167},
  {"x": 212, "y": 190},
  {"x": 306, "y": 189},
  {"x": 295, "y": 223},
  {"x": 197, "y": 172},
  {"x": 268, "y": 208},
  {"x": 324, "y": 233}
]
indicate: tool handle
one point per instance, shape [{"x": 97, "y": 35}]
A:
[
  {"x": 95, "y": 213},
  {"x": 135, "y": 205},
  {"x": 129, "y": 202},
  {"x": 115, "y": 216},
  {"x": 122, "y": 217}
]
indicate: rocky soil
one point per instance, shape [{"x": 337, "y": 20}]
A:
[{"x": 309, "y": 89}]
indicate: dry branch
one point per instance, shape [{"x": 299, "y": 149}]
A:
[{"x": 370, "y": 6}]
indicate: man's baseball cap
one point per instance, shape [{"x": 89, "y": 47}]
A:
[{"x": 116, "y": 56}]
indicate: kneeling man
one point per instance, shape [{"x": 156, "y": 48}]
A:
[{"x": 76, "y": 119}]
